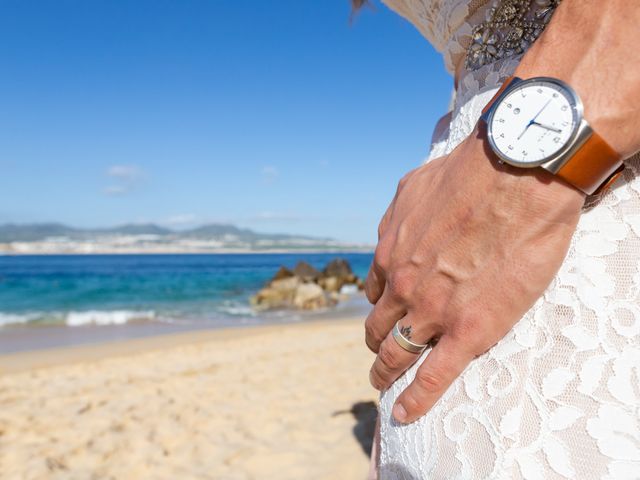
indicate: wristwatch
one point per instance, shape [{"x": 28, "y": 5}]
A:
[{"x": 538, "y": 122}]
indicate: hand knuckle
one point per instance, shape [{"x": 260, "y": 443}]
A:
[
  {"x": 468, "y": 327},
  {"x": 388, "y": 358},
  {"x": 382, "y": 255},
  {"x": 372, "y": 295},
  {"x": 405, "y": 179},
  {"x": 431, "y": 303},
  {"x": 401, "y": 283},
  {"x": 372, "y": 335},
  {"x": 382, "y": 228},
  {"x": 374, "y": 379},
  {"x": 433, "y": 298},
  {"x": 372, "y": 348},
  {"x": 476, "y": 333},
  {"x": 370, "y": 290},
  {"x": 430, "y": 380}
]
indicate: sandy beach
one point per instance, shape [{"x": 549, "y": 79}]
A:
[{"x": 271, "y": 402}]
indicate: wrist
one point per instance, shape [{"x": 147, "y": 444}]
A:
[{"x": 535, "y": 186}]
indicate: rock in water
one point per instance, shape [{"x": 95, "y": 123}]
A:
[
  {"x": 330, "y": 284},
  {"x": 284, "y": 272},
  {"x": 336, "y": 275},
  {"x": 306, "y": 272},
  {"x": 338, "y": 268},
  {"x": 278, "y": 294},
  {"x": 285, "y": 284},
  {"x": 309, "y": 296},
  {"x": 306, "y": 288}
]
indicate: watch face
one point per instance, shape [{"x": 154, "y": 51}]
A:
[{"x": 534, "y": 121}]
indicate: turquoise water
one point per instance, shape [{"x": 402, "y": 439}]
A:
[{"x": 119, "y": 289}]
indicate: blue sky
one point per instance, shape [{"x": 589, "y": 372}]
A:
[{"x": 274, "y": 115}]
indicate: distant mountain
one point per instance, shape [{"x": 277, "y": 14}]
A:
[
  {"x": 11, "y": 232},
  {"x": 59, "y": 238},
  {"x": 223, "y": 230},
  {"x": 136, "y": 229}
]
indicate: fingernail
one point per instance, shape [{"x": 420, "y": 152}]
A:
[{"x": 399, "y": 413}]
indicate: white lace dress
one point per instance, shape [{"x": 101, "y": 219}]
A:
[{"x": 559, "y": 396}]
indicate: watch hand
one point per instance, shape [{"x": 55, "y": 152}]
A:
[
  {"x": 548, "y": 127},
  {"x": 523, "y": 131},
  {"x": 533, "y": 120}
]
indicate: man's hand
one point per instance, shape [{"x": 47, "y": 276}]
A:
[{"x": 465, "y": 249}]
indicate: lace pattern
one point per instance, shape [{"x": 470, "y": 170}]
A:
[{"x": 559, "y": 396}]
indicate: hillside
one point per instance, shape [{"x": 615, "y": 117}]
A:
[{"x": 152, "y": 238}]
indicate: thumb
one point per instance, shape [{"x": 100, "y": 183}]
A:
[{"x": 443, "y": 365}]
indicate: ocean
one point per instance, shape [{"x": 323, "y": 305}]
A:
[{"x": 48, "y": 301}]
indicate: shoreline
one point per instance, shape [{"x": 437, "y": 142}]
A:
[
  {"x": 39, "y": 358},
  {"x": 32, "y": 337}
]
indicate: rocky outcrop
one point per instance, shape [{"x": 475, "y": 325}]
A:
[
  {"x": 306, "y": 288},
  {"x": 337, "y": 268},
  {"x": 306, "y": 272},
  {"x": 338, "y": 274},
  {"x": 310, "y": 296},
  {"x": 284, "y": 272}
]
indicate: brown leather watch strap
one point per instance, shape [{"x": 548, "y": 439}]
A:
[{"x": 594, "y": 167}]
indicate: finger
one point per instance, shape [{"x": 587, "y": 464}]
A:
[
  {"x": 374, "y": 284},
  {"x": 442, "y": 366},
  {"x": 386, "y": 312},
  {"x": 393, "y": 360},
  {"x": 376, "y": 279}
]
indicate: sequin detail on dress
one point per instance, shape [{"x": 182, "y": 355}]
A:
[{"x": 510, "y": 28}]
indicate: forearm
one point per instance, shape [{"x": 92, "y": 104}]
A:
[{"x": 592, "y": 45}]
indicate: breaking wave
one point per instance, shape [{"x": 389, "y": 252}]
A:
[{"x": 77, "y": 318}]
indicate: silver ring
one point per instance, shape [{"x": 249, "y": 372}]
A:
[{"x": 405, "y": 343}]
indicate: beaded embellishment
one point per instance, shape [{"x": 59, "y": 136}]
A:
[{"x": 511, "y": 26}]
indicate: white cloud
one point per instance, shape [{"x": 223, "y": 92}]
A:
[
  {"x": 128, "y": 173},
  {"x": 125, "y": 178},
  {"x": 270, "y": 174}
]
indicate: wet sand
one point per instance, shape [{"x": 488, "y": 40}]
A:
[{"x": 285, "y": 401}]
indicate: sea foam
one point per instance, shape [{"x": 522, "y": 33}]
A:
[
  {"x": 113, "y": 317},
  {"x": 77, "y": 318},
  {"x": 17, "y": 319}
]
